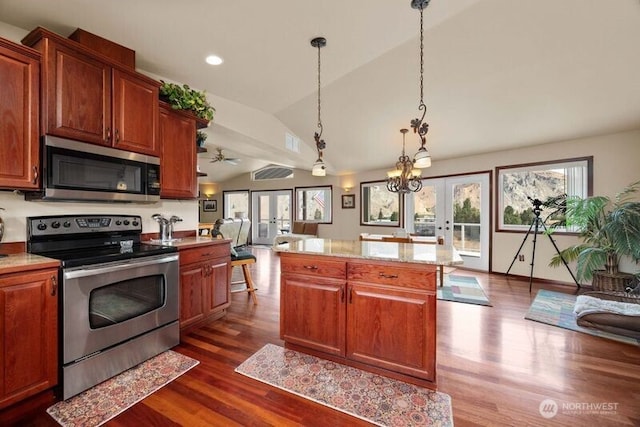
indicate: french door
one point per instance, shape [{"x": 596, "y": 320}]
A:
[
  {"x": 271, "y": 215},
  {"x": 456, "y": 208}
]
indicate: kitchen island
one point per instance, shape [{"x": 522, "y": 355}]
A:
[{"x": 371, "y": 305}]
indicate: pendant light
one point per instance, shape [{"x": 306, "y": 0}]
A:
[
  {"x": 319, "y": 168},
  {"x": 405, "y": 178},
  {"x": 422, "y": 159}
]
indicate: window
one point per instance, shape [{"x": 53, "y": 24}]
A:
[
  {"x": 236, "y": 204},
  {"x": 379, "y": 206},
  {"x": 546, "y": 184},
  {"x": 314, "y": 204}
]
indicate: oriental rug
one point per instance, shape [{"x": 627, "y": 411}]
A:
[
  {"x": 556, "y": 309},
  {"x": 373, "y": 398},
  {"x": 464, "y": 289},
  {"x": 106, "y": 400}
]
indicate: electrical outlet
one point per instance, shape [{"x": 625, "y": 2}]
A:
[{"x": 521, "y": 257}]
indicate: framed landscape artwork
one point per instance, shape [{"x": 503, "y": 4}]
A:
[
  {"x": 210, "y": 205},
  {"x": 348, "y": 201}
]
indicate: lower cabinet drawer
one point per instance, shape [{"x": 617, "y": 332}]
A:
[
  {"x": 191, "y": 255},
  {"x": 313, "y": 266},
  {"x": 409, "y": 276}
]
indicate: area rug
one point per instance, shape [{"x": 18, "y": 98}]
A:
[
  {"x": 556, "y": 309},
  {"x": 373, "y": 398},
  {"x": 462, "y": 289},
  {"x": 101, "y": 403}
]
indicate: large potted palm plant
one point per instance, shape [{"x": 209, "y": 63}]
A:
[{"x": 609, "y": 228}]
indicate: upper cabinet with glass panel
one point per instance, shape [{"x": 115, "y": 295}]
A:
[{"x": 379, "y": 206}]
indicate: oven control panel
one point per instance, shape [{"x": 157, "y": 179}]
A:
[{"x": 81, "y": 224}]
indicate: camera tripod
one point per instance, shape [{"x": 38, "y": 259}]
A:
[{"x": 536, "y": 225}]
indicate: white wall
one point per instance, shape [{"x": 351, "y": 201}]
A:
[{"x": 616, "y": 164}]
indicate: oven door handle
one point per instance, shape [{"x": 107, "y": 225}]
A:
[{"x": 94, "y": 270}]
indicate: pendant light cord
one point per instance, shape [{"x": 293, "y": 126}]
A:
[
  {"x": 319, "y": 119},
  {"x": 421, "y": 59}
]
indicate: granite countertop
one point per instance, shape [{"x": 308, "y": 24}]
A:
[
  {"x": 22, "y": 262},
  {"x": 188, "y": 242},
  {"x": 385, "y": 251}
]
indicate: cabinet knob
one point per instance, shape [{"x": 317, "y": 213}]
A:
[
  {"x": 311, "y": 267},
  {"x": 108, "y": 137},
  {"x": 388, "y": 276},
  {"x": 35, "y": 174},
  {"x": 117, "y": 136}
]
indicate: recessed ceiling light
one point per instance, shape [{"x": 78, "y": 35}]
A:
[{"x": 214, "y": 60}]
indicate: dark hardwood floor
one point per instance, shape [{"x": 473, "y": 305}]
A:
[{"x": 496, "y": 366}]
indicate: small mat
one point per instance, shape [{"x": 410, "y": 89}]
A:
[
  {"x": 373, "y": 398},
  {"x": 556, "y": 309},
  {"x": 462, "y": 289},
  {"x": 101, "y": 403}
]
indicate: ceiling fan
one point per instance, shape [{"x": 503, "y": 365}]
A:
[{"x": 220, "y": 157}]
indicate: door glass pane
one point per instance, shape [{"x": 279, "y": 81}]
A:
[
  {"x": 424, "y": 217},
  {"x": 466, "y": 217},
  {"x": 284, "y": 214},
  {"x": 263, "y": 216}
]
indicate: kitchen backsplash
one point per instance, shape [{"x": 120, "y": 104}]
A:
[{"x": 16, "y": 210}]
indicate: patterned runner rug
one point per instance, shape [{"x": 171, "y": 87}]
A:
[
  {"x": 101, "y": 403},
  {"x": 556, "y": 309},
  {"x": 373, "y": 398},
  {"x": 462, "y": 289}
]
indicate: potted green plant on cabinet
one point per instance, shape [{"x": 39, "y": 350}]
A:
[
  {"x": 201, "y": 137},
  {"x": 182, "y": 97},
  {"x": 609, "y": 228}
]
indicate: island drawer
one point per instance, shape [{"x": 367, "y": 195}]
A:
[
  {"x": 192, "y": 255},
  {"x": 406, "y": 276},
  {"x": 314, "y": 266}
]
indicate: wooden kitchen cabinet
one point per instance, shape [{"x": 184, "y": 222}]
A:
[
  {"x": 19, "y": 110},
  {"x": 375, "y": 315},
  {"x": 313, "y": 313},
  {"x": 178, "y": 156},
  {"x": 28, "y": 333},
  {"x": 386, "y": 328},
  {"x": 88, "y": 98},
  {"x": 205, "y": 283}
]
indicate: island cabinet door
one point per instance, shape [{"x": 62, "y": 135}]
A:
[
  {"x": 392, "y": 328},
  {"x": 313, "y": 313}
]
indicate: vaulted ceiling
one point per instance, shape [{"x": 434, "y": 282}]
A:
[{"x": 498, "y": 73}]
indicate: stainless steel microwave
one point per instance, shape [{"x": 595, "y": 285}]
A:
[{"x": 76, "y": 171}]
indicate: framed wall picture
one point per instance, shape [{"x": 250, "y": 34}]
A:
[
  {"x": 210, "y": 205},
  {"x": 348, "y": 201}
]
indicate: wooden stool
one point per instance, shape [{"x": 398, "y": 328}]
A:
[{"x": 244, "y": 258}]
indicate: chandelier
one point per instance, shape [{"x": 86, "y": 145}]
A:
[
  {"x": 405, "y": 178},
  {"x": 422, "y": 159},
  {"x": 319, "y": 168}
]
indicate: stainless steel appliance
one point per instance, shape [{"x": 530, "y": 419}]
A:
[
  {"x": 78, "y": 171},
  {"x": 119, "y": 299}
]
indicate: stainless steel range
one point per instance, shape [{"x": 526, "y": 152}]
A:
[{"x": 119, "y": 299}]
